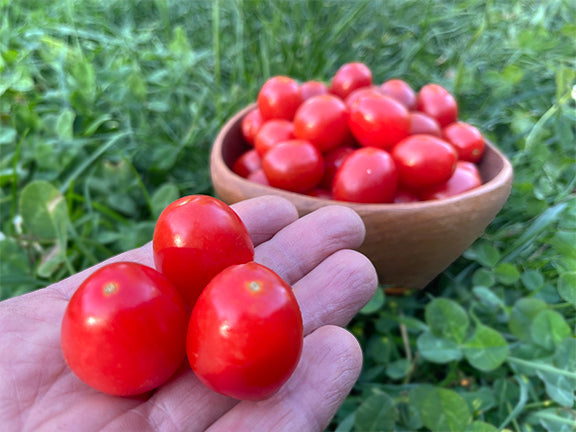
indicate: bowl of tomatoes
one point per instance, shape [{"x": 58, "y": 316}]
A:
[{"x": 425, "y": 183}]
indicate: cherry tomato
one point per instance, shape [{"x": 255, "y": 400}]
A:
[
  {"x": 349, "y": 77},
  {"x": 332, "y": 161},
  {"x": 323, "y": 121},
  {"x": 403, "y": 196},
  {"x": 310, "y": 89},
  {"x": 245, "y": 334},
  {"x": 358, "y": 94},
  {"x": 421, "y": 123},
  {"x": 466, "y": 139},
  {"x": 294, "y": 165},
  {"x": 251, "y": 124},
  {"x": 279, "y": 98},
  {"x": 379, "y": 121},
  {"x": 401, "y": 91},
  {"x": 465, "y": 178},
  {"x": 320, "y": 193},
  {"x": 195, "y": 238},
  {"x": 437, "y": 102},
  {"x": 424, "y": 161},
  {"x": 368, "y": 176},
  {"x": 247, "y": 163},
  {"x": 258, "y": 176},
  {"x": 271, "y": 133},
  {"x": 124, "y": 329}
]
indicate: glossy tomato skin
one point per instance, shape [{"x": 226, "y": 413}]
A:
[
  {"x": 424, "y": 161},
  {"x": 279, "y": 98},
  {"x": 271, "y": 133},
  {"x": 368, "y": 175},
  {"x": 333, "y": 160},
  {"x": 124, "y": 329},
  {"x": 245, "y": 334},
  {"x": 466, "y": 139},
  {"x": 465, "y": 178},
  {"x": 350, "y": 77},
  {"x": 401, "y": 91},
  {"x": 323, "y": 121},
  {"x": 358, "y": 94},
  {"x": 251, "y": 124},
  {"x": 195, "y": 238},
  {"x": 421, "y": 123},
  {"x": 294, "y": 165},
  {"x": 437, "y": 102},
  {"x": 247, "y": 163},
  {"x": 310, "y": 89},
  {"x": 379, "y": 121}
]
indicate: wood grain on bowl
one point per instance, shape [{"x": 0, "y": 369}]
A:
[{"x": 409, "y": 244}]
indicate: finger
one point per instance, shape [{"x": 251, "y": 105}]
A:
[
  {"x": 330, "y": 364},
  {"x": 335, "y": 290},
  {"x": 302, "y": 245},
  {"x": 263, "y": 217}
]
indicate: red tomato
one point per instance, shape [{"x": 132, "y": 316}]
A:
[
  {"x": 294, "y": 165},
  {"x": 465, "y": 178},
  {"x": 332, "y": 161},
  {"x": 421, "y": 123},
  {"x": 358, "y": 94},
  {"x": 245, "y": 335},
  {"x": 323, "y": 121},
  {"x": 312, "y": 88},
  {"x": 271, "y": 133},
  {"x": 124, "y": 329},
  {"x": 258, "y": 176},
  {"x": 350, "y": 77},
  {"x": 279, "y": 98},
  {"x": 424, "y": 161},
  {"x": 368, "y": 176},
  {"x": 379, "y": 121},
  {"x": 466, "y": 139},
  {"x": 402, "y": 196},
  {"x": 195, "y": 238},
  {"x": 251, "y": 124},
  {"x": 320, "y": 193},
  {"x": 247, "y": 163},
  {"x": 437, "y": 102},
  {"x": 401, "y": 91}
]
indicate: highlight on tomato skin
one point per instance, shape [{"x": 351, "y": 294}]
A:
[
  {"x": 124, "y": 330},
  {"x": 245, "y": 335}
]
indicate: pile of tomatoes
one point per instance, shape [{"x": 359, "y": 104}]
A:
[
  {"x": 128, "y": 327},
  {"x": 356, "y": 141}
]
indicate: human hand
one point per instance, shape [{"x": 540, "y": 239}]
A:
[{"x": 38, "y": 392}]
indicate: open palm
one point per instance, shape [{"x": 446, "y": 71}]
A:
[{"x": 38, "y": 392}]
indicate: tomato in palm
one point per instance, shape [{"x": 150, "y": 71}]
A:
[
  {"x": 350, "y": 77},
  {"x": 465, "y": 178},
  {"x": 421, "y": 123},
  {"x": 195, "y": 238},
  {"x": 466, "y": 139},
  {"x": 247, "y": 163},
  {"x": 310, "y": 89},
  {"x": 251, "y": 124},
  {"x": 323, "y": 121},
  {"x": 124, "y": 329},
  {"x": 379, "y": 121},
  {"x": 245, "y": 334},
  {"x": 437, "y": 102},
  {"x": 271, "y": 133},
  {"x": 294, "y": 165},
  {"x": 279, "y": 98},
  {"x": 368, "y": 175},
  {"x": 401, "y": 91},
  {"x": 424, "y": 161}
]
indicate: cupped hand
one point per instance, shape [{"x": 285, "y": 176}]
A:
[{"x": 332, "y": 282}]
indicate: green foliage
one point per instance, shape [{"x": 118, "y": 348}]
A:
[{"x": 108, "y": 110}]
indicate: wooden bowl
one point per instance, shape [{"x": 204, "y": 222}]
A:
[{"x": 409, "y": 244}]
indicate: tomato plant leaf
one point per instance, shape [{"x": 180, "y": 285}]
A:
[
  {"x": 447, "y": 319},
  {"x": 486, "y": 349}
]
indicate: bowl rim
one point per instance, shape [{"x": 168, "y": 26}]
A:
[{"x": 501, "y": 179}]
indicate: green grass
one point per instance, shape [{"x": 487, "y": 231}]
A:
[{"x": 108, "y": 110}]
